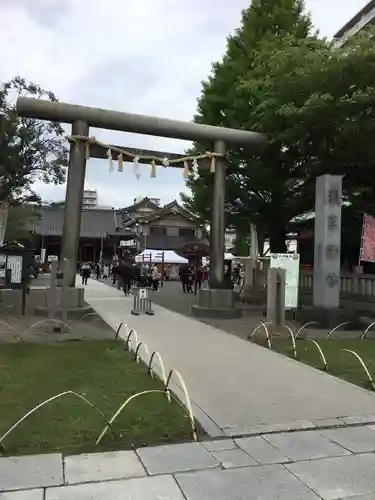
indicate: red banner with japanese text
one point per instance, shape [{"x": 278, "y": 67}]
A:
[{"x": 367, "y": 251}]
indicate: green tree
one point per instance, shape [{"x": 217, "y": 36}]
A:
[
  {"x": 20, "y": 219},
  {"x": 30, "y": 150},
  {"x": 313, "y": 100},
  {"x": 224, "y": 102}
]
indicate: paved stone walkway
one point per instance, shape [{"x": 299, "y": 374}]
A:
[
  {"x": 305, "y": 465},
  {"x": 240, "y": 387}
]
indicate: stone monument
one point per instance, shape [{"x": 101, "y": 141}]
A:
[{"x": 326, "y": 310}]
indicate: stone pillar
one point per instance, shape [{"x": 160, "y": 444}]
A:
[
  {"x": 64, "y": 291},
  {"x": 217, "y": 230},
  {"x": 327, "y": 242},
  {"x": 52, "y": 291},
  {"x": 217, "y": 301},
  {"x": 73, "y": 201},
  {"x": 276, "y": 297}
]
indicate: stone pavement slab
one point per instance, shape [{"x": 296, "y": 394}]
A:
[
  {"x": 337, "y": 478},
  {"x": 102, "y": 467},
  {"x": 361, "y": 497},
  {"x": 358, "y": 419},
  {"x": 230, "y": 378},
  {"x": 34, "y": 471},
  {"x": 258, "y": 469},
  {"x": 262, "y": 451},
  {"x": 175, "y": 458},
  {"x": 23, "y": 495},
  {"x": 270, "y": 482},
  {"x": 219, "y": 445},
  {"x": 305, "y": 445},
  {"x": 242, "y": 430},
  {"x": 355, "y": 439},
  {"x": 234, "y": 458},
  {"x": 148, "y": 488}
]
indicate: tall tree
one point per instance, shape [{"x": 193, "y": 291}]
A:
[
  {"x": 30, "y": 150},
  {"x": 225, "y": 101},
  {"x": 313, "y": 100}
]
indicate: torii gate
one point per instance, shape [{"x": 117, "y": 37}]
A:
[{"x": 83, "y": 117}]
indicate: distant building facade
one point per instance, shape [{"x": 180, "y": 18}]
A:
[
  {"x": 89, "y": 198},
  {"x": 107, "y": 232},
  {"x": 170, "y": 227},
  {"x": 100, "y": 236},
  {"x": 365, "y": 17}
]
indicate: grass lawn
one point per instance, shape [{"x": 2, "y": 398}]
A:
[
  {"x": 341, "y": 364},
  {"x": 101, "y": 371}
]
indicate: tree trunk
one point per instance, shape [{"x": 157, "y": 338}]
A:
[
  {"x": 277, "y": 239},
  {"x": 4, "y": 211}
]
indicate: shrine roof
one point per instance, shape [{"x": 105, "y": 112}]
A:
[{"x": 95, "y": 223}]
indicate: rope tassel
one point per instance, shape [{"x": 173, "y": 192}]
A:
[
  {"x": 186, "y": 170},
  {"x": 87, "y": 150},
  {"x": 213, "y": 164},
  {"x": 136, "y": 170},
  {"x": 120, "y": 166},
  {"x": 153, "y": 169},
  {"x": 110, "y": 159}
]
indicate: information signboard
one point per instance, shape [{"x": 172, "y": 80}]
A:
[
  {"x": 289, "y": 262},
  {"x": 14, "y": 263}
]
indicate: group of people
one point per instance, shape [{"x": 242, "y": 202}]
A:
[
  {"x": 124, "y": 273},
  {"x": 192, "y": 278}
]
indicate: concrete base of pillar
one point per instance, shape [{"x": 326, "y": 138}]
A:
[
  {"x": 253, "y": 295},
  {"x": 73, "y": 312},
  {"x": 327, "y": 318},
  {"x": 216, "y": 303}
]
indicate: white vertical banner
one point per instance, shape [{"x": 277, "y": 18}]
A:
[
  {"x": 289, "y": 262},
  {"x": 43, "y": 256},
  {"x": 4, "y": 211}
]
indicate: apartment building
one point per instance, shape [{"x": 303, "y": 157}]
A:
[
  {"x": 90, "y": 198},
  {"x": 365, "y": 17}
]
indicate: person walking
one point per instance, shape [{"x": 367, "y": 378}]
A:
[
  {"x": 98, "y": 270},
  {"x": 190, "y": 280},
  {"x": 85, "y": 272},
  {"x": 184, "y": 272},
  {"x": 197, "y": 279},
  {"x": 156, "y": 275},
  {"x": 143, "y": 275},
  {"x": 105, "y": 271},
  {"x": 114, "y": 273}
]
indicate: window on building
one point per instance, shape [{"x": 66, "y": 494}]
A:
[
  {"x": 158, "y": 230},
  {"x": 187, "y": 232},
  {"x": 172, "y": 231}
]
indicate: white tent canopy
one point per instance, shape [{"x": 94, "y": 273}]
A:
[
  {"x": 155, "y": 256},
  {"x": 229, "y": 256}
]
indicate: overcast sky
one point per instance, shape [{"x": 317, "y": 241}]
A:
[{"x": 140, "y": 56}]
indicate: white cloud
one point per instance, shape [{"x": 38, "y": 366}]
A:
[{"x": 141, "y": 56}]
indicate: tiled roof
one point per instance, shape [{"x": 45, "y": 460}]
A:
[
  {"x": 145, "y": 202},
  {"x": 94, "y": 223},
  {"x": 171, "y": 208}
]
